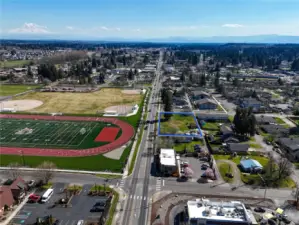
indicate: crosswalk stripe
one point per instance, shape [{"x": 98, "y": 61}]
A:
[
  {"x": 131, "y": 196},
  {"x": 144, "y": 198},
  {"x": 137, "y": 197}
]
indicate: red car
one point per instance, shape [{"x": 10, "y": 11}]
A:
[{"x": 34, "y": 198}]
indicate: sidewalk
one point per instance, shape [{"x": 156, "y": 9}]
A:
[{"x": 65, "y": 171}]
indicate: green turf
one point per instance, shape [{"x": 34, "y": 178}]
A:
[
  {"x": 14, "y": 63},
  {"x": 8, "y": 90},
  {"x": 210, "y": 126},
  {"x": 51, "y": 134}
]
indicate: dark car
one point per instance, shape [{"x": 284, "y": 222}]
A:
[
  {"x": 286, "y": 220},
  {"x": 204, "y": 167},
  {"x": 259, "y": 209},
  {"x": 97, "y": 209}
]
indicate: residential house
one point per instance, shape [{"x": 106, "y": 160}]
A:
[
  {"x": 18, "y": 188},
  {"x": 291, "y": 146},
  {"x": 251, "y": 102},
  {"x": 265, "y": 120},
  {"x": 231, "y": 139},
  {"x": 6, "y": 199},
  {"x": 226, "y": 131},
  {"x": 238, "y": 148},
  {"x": 206, "y": 104},
  {"x": 275, "y": 129},
  {"x": 196, "y": 95}
]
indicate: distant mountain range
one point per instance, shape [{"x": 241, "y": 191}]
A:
[{"x": 264, "y": 39}]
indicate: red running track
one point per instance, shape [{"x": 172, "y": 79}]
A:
[
  {"x": 107, "y": 134},
  {"x": 127, "y": 134}
]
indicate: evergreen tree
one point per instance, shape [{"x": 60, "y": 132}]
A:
[
  {"x": 228, "y": 76},
  {"x": 203, "y": 80}
]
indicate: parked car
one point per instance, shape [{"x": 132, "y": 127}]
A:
[
  {"x": 31, "y": 183},
  {"x": 33, "y": 198},
  {"x": 204, "y": 166},
  {"x": 259, "y": 209},
  {"x": 97, "y": 209}
]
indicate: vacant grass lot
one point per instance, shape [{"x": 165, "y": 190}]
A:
[
  {"x": 210, "y": 126},
  {"x": 8, "y": 90},
  {"x": 177, "y": 123},
  {"x": 14, "y": 63},
  {"x": 81, "y": 103}
]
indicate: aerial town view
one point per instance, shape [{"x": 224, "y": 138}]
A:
[{"x": 149, "y": 112}]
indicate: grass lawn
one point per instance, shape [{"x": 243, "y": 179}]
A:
[
  {"x": 92, "y": 163},
  {"x": 177, "y": 123},
  {"x": 274, "y": 95},
  {"x": 296, "y": 165},
  {"x": 112, "y": 208},
  {"x": 109, "y": 176},
  {"x": 10, "y": 89},
  {"x": 262, "y": 160},
  {"x": 100, "y": 188},
  {"x": 81, "y": 103},
  {"x": 223, "y": 169},
  {"x": 14, "y": 63},
  {"x": 211, "y": 126},
  {"x": 189, "y": 146},
  {"x": 254, "y": 145},
  {"x": 231, "y": 118}
]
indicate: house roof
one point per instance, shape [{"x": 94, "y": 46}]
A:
[
  {"x": 274, "y": 129},
  {"x": 6, "y": 197},
  {"x": 200, "y": 93},
  {"x": 205, "y": 101},
  {"x": 18, "y": 183},
  {"x": 225, "y": 129},
  {"x": 265, "y": 119},
  {"x": 250, "y": 101},
  {"x": 236, "y": 147},
  {"x": 291, "y": 143},
  {"x": 231, "y": 140},
  {"x": 250, "y": 163}
]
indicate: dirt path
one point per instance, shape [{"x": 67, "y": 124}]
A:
[{"x": 235, "y": 170}]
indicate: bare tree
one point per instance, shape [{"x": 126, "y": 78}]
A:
[
  {"x": 46, "y": 171},
  {"x": 270, "y": 169},
  {"x": 14, "y": 170},
  {"x": 284, "y": 168}
]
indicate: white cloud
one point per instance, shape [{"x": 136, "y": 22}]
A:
[
  {"x": 104, "y": 28},
  {"x": 137, "y": 30},
  {"x": 232, "y": 25},
  {"x": 117, "y": 29},
  {"x": 31, "y": 28},
  {"x": 69, "y": 28}
]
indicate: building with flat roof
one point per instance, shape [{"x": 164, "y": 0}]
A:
[
  {"x": 168, "y": 161},
  {"x": 206, "y": 212},
  {"x": 249, "y": 165}
]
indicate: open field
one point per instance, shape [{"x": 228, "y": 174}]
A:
[
  {"x": 189, "y": 146},
  {"x": 210, "y": 126},
  {"x": 81, "y": 103},
  {"x": 14, "y": 63},
  {"x": 177, "y": 123},
  {"x": 10, "y": 89},
  {"x": 51, "y": 134}
]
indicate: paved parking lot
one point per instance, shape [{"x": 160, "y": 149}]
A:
[
  {"x": 80, "y": 210},
  {"x": 195, "y": 165}
]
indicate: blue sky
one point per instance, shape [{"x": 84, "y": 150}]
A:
[{"x": 149, "y": 18}]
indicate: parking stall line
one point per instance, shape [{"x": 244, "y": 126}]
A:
[
  {"x": 67, "y": 222},
  {"x": 60, "y": 223},
  {"x": 74, "y": 222}
]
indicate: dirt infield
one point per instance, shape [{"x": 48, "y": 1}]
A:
[
  {"x": 127, "y": 134},
  {"x": 131, "y": 92},
  {"x": 120, "y": 109},
  {"x": 21, "y": 105}
]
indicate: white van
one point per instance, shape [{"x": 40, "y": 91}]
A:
[{"x": 47, "y": 195}]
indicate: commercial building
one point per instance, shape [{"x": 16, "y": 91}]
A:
[
  {"x": 168, "y": 162},
  {"x": 206, "y": 212}
]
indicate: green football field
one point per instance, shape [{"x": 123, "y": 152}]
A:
[
  {"x": 51, "y": 134},
  {"x": 12, "y": 89}
]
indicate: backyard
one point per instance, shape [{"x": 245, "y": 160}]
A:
[{"x": 180, "y": 147}]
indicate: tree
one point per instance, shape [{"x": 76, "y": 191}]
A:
[
  {"x": 245, "y": 121},
  {"x": 284, "y": 169},
  {"x": 295, "y": 65},
  {"x": 228, "y": 76},
  {"x": 236, "y": 82},
  {"x": 29, "y": 72},
  {"x": 183, "y": 77},
  {"x": 94, "y": 63},
  {"x": 203, "y": 80},
  {"x": 131, "y": 75},
  {"x": 46, "y": 171},
  {"x": 168, "y": 104},
  {"x": 254, "y": 95},
  {"x": 14, "y": 170},
  {"x": 280, "y": 81}
]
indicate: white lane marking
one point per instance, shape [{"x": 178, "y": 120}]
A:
[
  {"x": 137, "y": 197},
  {"x": 67, "y": 222},
  {"x": 163, "y": 182},
  {"x": 144, "y": 198},
  {"x": 131, "y": 196}
]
